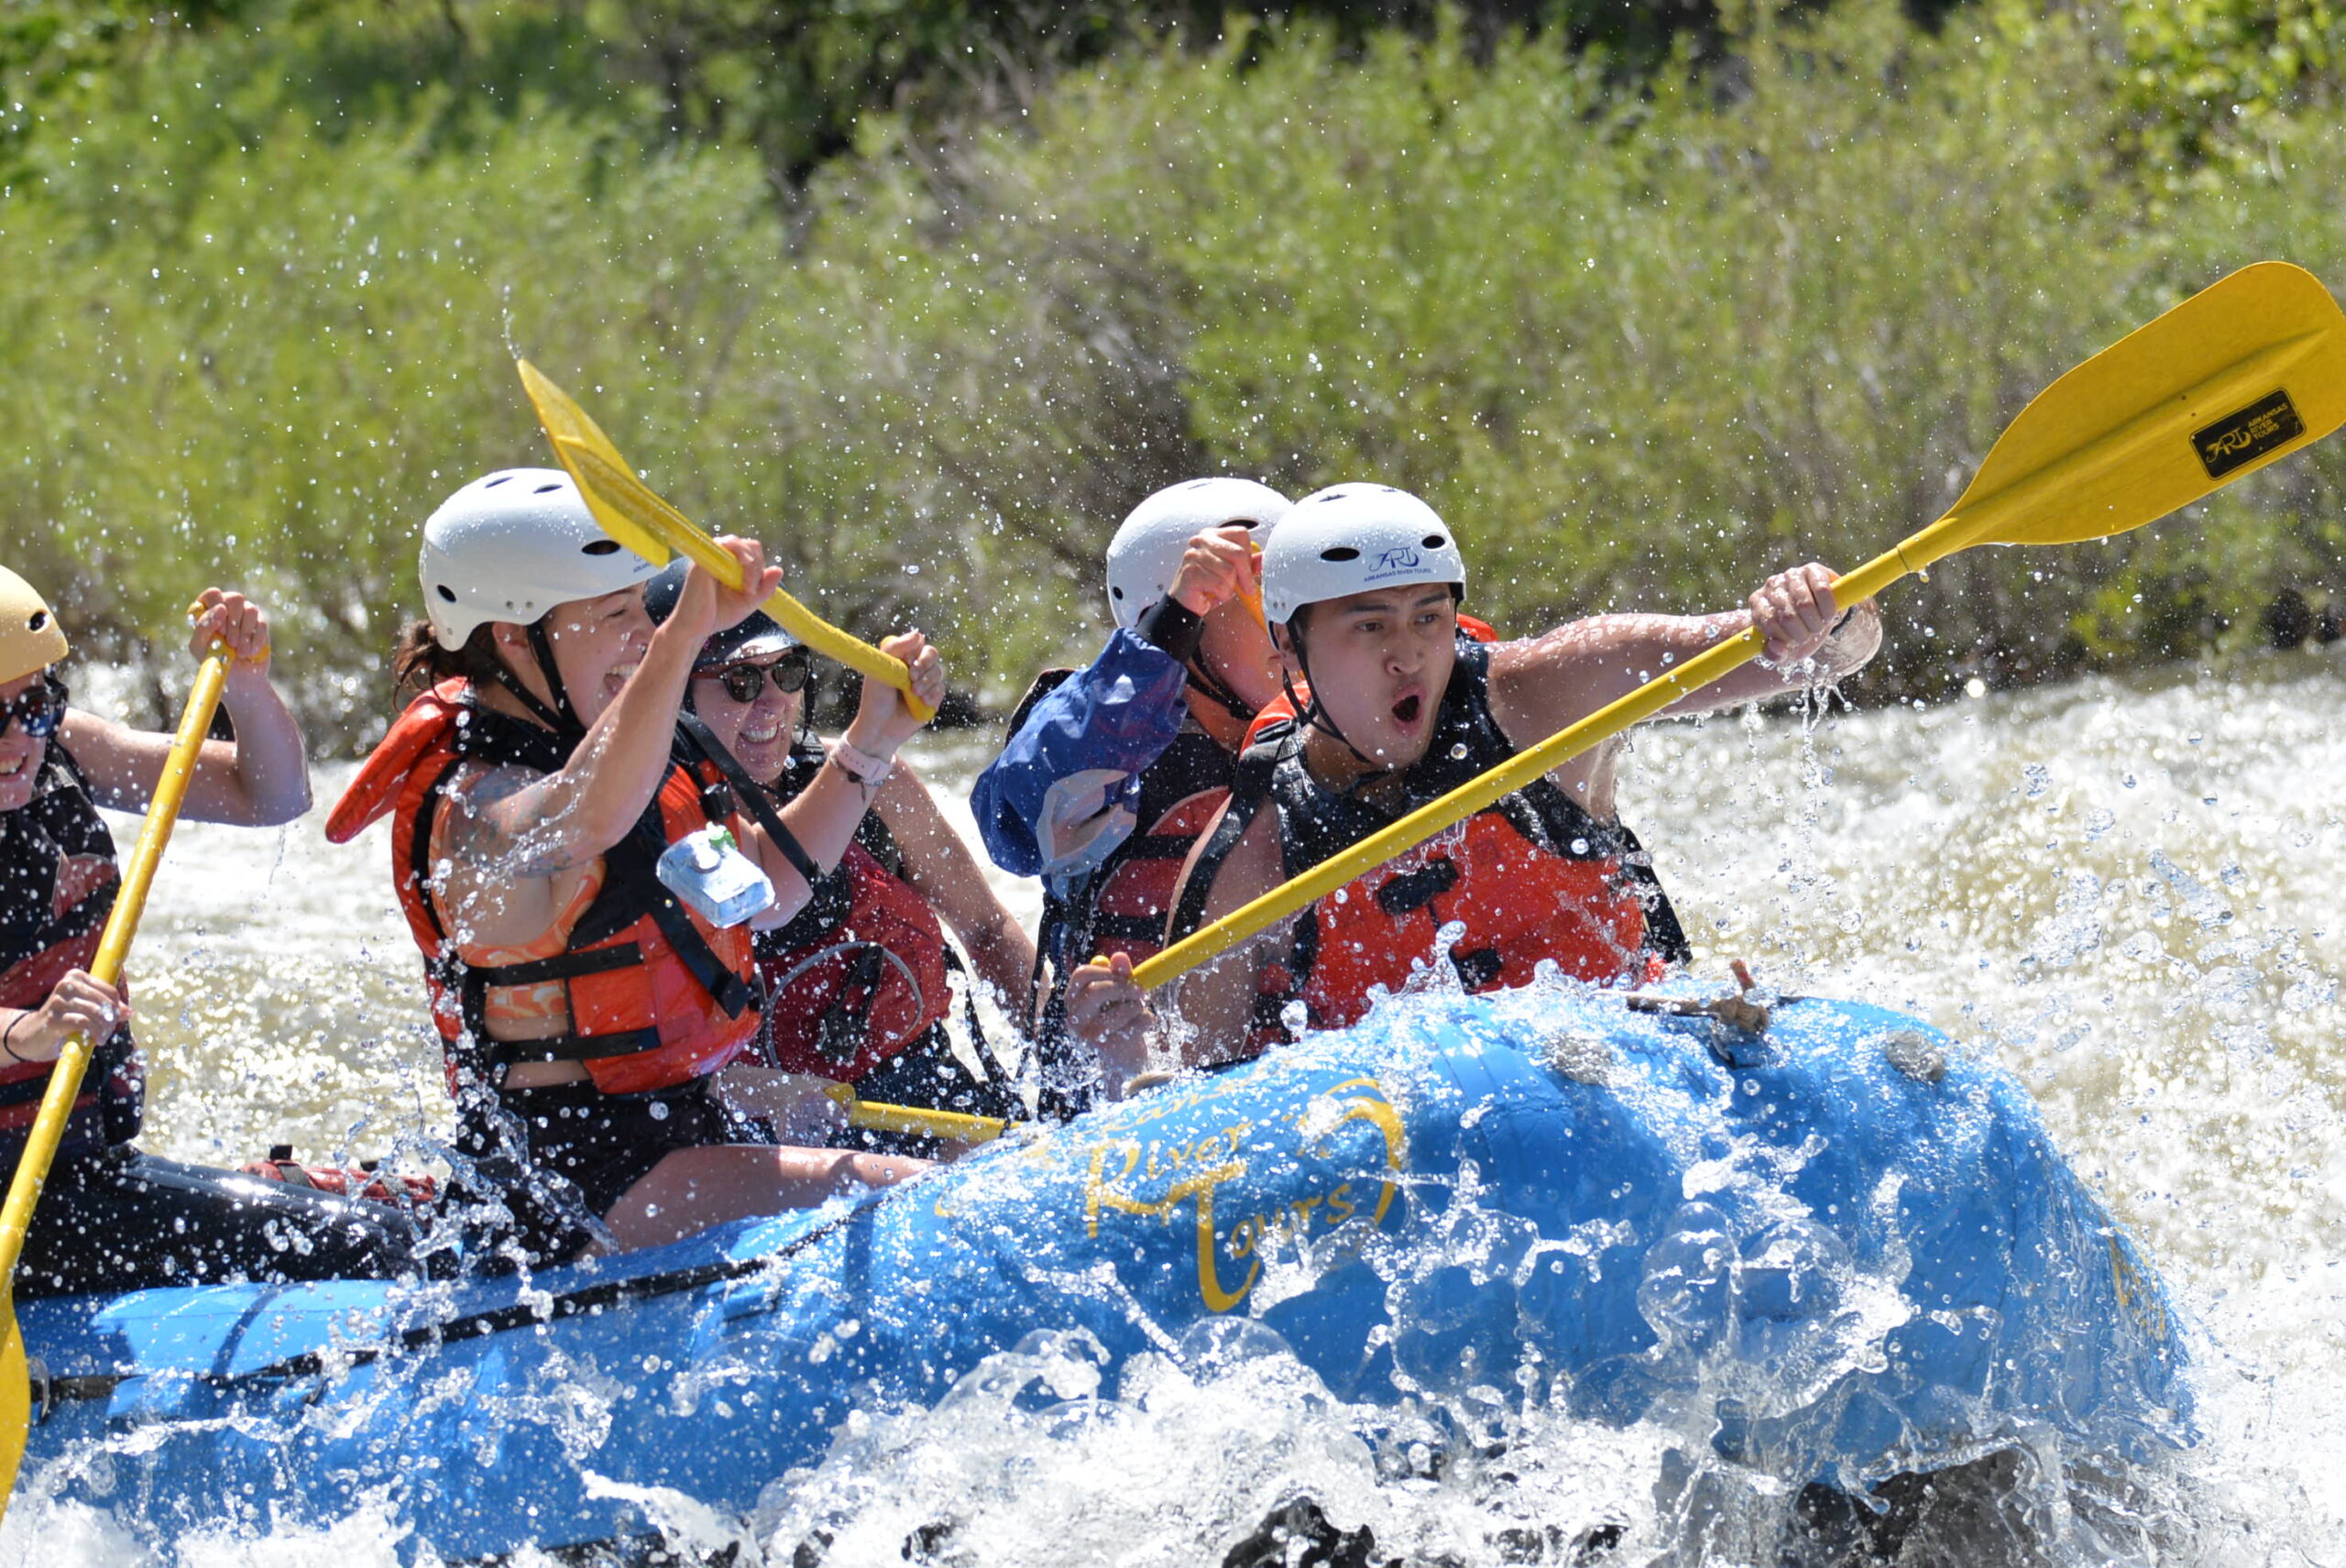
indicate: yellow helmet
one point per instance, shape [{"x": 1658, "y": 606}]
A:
[{"x": 30, "y": 638}]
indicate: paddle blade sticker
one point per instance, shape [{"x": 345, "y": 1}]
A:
[{"x": 2242, "y": 438}]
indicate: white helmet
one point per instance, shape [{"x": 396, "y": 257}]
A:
[
  {"x": 512, "y": 546},
  {"x": 1348, "y": 539},
  {"x": 1147, "y": 550}
]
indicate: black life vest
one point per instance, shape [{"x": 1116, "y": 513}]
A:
[
  {"x": 1121, "y": 904},
  {"x": 1532, "y": 877},
  {"x": 58, "y": 882}
]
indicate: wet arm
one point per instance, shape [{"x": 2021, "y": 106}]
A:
[
  {"x": 261, "y": 779},
  {"x": 1542, "y": 686},
  {"x": 1212, "y": 1008},
  {"x": 512, "y": 825},
  {"x": 941, "y": 869},
  {"x": 824, "y": 818}
]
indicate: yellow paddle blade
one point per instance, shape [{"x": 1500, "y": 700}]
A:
[
  {"x": 628, "y": 507},
  {"x": 15, "y": 1398},
  {"x": 617, "y": 490},
  {"x": 563, "y": 419},
  {"x": 2240, "y": 375},
  {"x": 637, "y": 516}
]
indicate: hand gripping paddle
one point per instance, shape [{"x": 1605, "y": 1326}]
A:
[
  {"x": 65, "y": 1079},
  {"x": 2240, "y": 375},
  {"x": 630, "y": 513}
]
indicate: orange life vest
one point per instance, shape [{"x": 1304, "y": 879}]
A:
[
  {"x": 656, "y": 997},
  {"x": 58, "y": 882},
  {"x": 1532, "y": 877}
]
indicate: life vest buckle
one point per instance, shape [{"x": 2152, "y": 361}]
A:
[{"x": 1411, "y": 891}]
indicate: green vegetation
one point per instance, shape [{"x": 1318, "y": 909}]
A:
[{"x": 1640, "y": 332}]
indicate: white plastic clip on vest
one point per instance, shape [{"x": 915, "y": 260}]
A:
[{"x": 710, "y": 873}]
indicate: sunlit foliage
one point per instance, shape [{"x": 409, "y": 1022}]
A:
[{"x": 1641, "y": 337}]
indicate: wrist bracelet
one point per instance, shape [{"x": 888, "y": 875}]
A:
[
  {"x": 7, "y": 1037},
  {"x": 860, "y": 765}
]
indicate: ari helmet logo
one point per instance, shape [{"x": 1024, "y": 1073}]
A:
[
  {"x": 2239, "y": 439},
  {"x": 1400, "y": 558}
]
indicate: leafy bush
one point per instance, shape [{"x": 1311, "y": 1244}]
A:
[{"x": 1639, "y": 341}]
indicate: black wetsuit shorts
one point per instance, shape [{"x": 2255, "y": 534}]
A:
[{"x": 579, "y": 1151}]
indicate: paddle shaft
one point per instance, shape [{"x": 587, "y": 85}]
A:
[
  {"x": 1397, "y": 838},
  {"x": 114, "y": 946},
  {"x": 621, "y": 488},
  {"x": 2003, "y": 514},
  {"x": 948, "y": 1126}
]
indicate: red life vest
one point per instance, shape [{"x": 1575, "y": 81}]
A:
[
  {"x": 1130, "y": 894},
  {"x": 860, "y": 974},
  {"x": 1121, "y": 904},
  {"x": 656, "y": 997},
  {"x": 1532, "y": 877},
  {"x": 846, "y": 993},
  {"x": 58, "y": 882}
]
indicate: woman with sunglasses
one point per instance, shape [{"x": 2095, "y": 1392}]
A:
[
  {"x": 580, "y": 915},
  {"x": 857, "y": 982},
  {"x": 111, "y": 1218}
]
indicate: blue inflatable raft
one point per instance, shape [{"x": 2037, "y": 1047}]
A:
[{"x": 1847, "y": 1250}]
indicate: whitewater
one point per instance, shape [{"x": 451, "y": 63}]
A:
[{"x": 2120, "y": 891}]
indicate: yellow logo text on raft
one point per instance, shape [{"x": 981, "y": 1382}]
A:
[
  {"x": 2137, "y": 1297},
  {"x": 1166, "y": 1180}
]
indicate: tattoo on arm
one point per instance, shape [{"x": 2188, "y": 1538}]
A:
[{"x": 507, "y": 825}]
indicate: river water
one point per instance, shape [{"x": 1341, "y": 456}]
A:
[{"x": 2124, "y": 891}]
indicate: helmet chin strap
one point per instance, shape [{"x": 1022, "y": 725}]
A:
[
  {"x": 1310, "y": 712},
  {"x": 1214, "y": 689},
  {"x": 562, "y": 718}
]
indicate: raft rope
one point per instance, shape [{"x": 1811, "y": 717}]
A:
[{"x": 587, "y": 1301}]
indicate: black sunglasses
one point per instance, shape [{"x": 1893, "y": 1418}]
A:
[
  {"x": 39, "y": 709},
  {"x": 742, "y": 682}
]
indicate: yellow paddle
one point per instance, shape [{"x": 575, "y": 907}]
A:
[
  {"x": 630, "y": 513},
  {"x": 946, "y": 1126},
  {"x": 2242, "y": 373},
  {"x": 65, "y": 1079}
]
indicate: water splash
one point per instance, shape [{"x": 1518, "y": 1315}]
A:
[{"x": 2159, "y": 969}]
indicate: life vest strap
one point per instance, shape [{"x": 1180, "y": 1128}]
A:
[
  {"x": 562, "y": 966},
  {"x": 566, "y": 1047},
  {"x": 732, "y": 993},
  {"x": 751, "y": 796}
]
